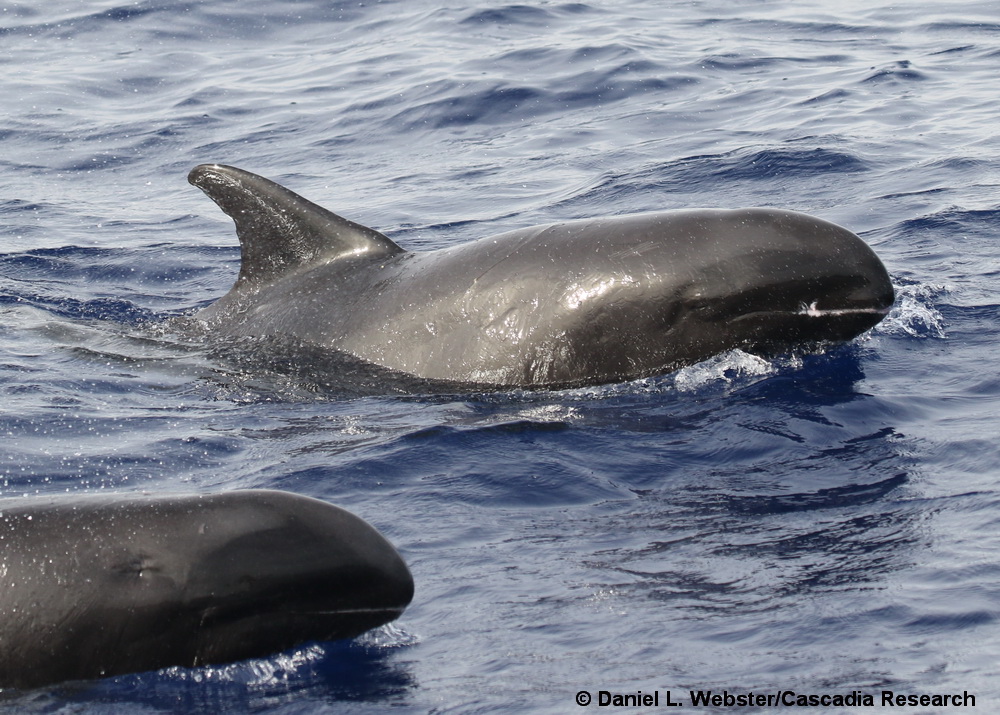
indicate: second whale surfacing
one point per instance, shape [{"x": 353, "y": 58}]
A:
[
  {"x": 567, "y": 304},
  {"x": 99, "y": 585}
]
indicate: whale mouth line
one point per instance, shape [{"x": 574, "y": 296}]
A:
[
  {"x": 352, "y": 611},
  {"x": 813, "y": 311}
]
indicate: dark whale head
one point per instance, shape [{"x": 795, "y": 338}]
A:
[
  {"x": 572, "y": 303},
  {"x": 657, "y": 292},
  {"x": 100, "y": 585},
  {"x": 766, "y": 279}
]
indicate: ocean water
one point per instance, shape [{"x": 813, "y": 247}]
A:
[{"x": 818, "y": 523}]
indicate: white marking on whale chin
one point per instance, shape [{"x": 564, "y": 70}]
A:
[{"x": 814, "y": 312}]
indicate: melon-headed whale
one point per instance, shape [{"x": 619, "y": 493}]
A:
[
  {"x": 566, "y": 304},
  {"x": 95, "y": 586}
]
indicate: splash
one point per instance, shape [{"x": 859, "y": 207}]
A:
[
  {"x": 914, "y": 313},
  {"x": 727, "y": 368}
]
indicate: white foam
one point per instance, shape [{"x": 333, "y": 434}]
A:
[
  {"x": 913, "y": 313},
  {"x": 725, "y": 368}
]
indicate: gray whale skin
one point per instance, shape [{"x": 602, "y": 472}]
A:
[
  {"x": 95, "y": 586},
  {"x": 573, "y": 303}
]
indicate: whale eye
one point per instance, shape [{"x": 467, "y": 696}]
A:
[{"x": 138, "y": 566}]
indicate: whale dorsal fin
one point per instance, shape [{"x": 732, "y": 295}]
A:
[{"x": 278, "y": 229}]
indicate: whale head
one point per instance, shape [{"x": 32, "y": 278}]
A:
[{"x": 782, "y": 279}]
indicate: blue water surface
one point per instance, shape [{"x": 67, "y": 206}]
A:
[{"x": 820, "y": 523}]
